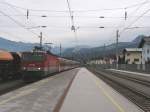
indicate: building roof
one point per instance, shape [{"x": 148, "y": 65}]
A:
[
  {"x": 132, "y": 50},
  {"x": 143, "y": 41}
]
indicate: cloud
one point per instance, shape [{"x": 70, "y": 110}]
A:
[{"x": 59, "y": 24}]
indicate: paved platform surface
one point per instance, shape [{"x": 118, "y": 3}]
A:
[
  {"x": 90, "y": 94},
  {"x": 41, "y": 96},
  {"x": 136, "y": 73}
]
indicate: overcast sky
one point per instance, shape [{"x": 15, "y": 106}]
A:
[{"x": 58, "y": 22}]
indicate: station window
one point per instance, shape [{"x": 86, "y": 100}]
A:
[{"x": 136, "y": 59}]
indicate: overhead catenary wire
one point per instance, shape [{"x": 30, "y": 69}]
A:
[
  {"x": 135, "y": 21},
  {"x": 36, "y": 10},
  {"x": 133, "y": 13},
  {"x": 89, "y": 10},
  {"x": 71, "y": 16},
  {"x": 18, "y": 23},
  {"x": 87, "y": 17},
  {"x": 135, "y": 5},
  {"x": 145, "y": 2},
  {"x": 128, "y": 27},
  {"x": 65, "y": 11},
  {"x": 73, "y": 28},
  {"x": 72, "y": 21},
  {"x": 81, "y": 27},
  {"x": 25, "y": 18}
]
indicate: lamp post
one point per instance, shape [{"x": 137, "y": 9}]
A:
[{"x": 60, "y": 49}]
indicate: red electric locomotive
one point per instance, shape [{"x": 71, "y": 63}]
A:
[{"x": 38, "y": 64}]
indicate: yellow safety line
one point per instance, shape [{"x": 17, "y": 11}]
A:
[{"x": 120, "y": 109}]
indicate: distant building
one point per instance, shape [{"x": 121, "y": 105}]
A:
[
  {"x": 145, "y": 45},
  {"x": 132, "y": 55},
  {"x": 102, "y": 61}
]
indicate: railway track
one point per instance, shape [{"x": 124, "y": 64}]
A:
[
  {"x": 140, "y": 79},
  {"x": 135, "y": 89}
]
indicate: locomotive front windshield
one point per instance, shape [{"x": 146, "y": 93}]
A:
[{"x": 33, "y": 57}]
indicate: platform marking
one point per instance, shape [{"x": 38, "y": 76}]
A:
[
  {"x": 22, "y": 93},
  {"x": 97, "y": 81}
]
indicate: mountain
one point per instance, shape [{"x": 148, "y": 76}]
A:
[
  {"x": 20, "y": 46},
  {"x": 56, "y": 50},
  {"x": 85, "y": 54},
  {"x": 15, "y": 46},
  {"x": 138, "y": 39},
  {"x": 80, "y": 53}
]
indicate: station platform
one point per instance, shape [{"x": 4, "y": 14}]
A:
[
  {"x": 129, "y": 72},
  {"x": 41, "y": 96},
  {"x": 86, "y": 93},
  {"x": 90, "y": 94}
]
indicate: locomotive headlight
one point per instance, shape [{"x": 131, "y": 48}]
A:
[
  {"x": 24, "y": 68},
  {"x": 39, "y": 68}
]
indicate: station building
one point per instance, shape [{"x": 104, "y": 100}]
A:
[
  {"x": 132, "y": 55},
  {"x": 145, "y": 45}
]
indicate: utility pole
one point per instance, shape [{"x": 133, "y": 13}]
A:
[
  {"x": 117, "y": 38},
  {"x": 60, "y": 49},
  {"x": 104, "y": 50},
  {"x": 40, "y": 39},
  {"x": 104, "y": 53}
]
